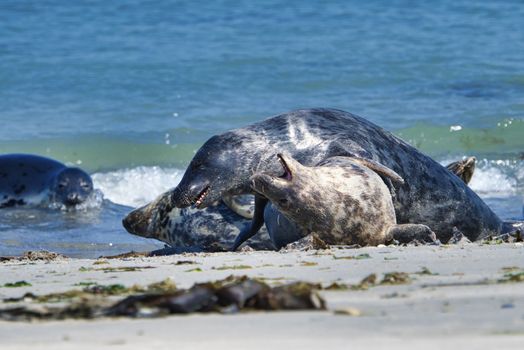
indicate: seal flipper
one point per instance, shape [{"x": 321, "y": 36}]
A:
[
  {"x": 241, "y": 204},
  {"x": 256, "y": 223},
  {"x": 382, "y": 170},
  {"x": 406, "y": 233},
  {"x": 463, "y": 168}
]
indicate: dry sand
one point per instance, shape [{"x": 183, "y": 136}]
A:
[{"x": 462, "y": 304}]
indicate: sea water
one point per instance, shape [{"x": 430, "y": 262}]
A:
[{"x": 130, "y": 90}]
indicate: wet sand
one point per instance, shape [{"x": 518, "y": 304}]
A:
[{"x": 457, "y": 295}]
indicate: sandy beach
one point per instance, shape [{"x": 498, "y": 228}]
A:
[{"x": 457, "y": 295}]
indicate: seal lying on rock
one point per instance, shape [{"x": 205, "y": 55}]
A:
[
  {"x": 343, "y": 200},
  {"x": 431, "y": 195},
  {"x": 34, "y": 180},
  {"x": 189, "y": 229}
]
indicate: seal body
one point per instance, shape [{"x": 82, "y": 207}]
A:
[
  {"x": 347, "y": 204},
  {"x": 210, "y": 229},
  {"x": 431, "y": 195},
  {"x": 34, "y": 180}
]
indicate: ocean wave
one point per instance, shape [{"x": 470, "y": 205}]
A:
[
  {"x": 135, "y": 187},
  {"x": 496, "y": 178}
]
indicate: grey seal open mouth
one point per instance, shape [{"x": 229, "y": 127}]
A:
[
  {"x": 201, "y": 196},
  {"x": 287, "y": 175}
]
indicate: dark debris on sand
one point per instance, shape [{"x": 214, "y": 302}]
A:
[
  {"x": 230, "y": 295},
  {"x": 37, "y": 255}
]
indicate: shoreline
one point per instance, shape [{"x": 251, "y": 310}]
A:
[{"x": 456, "y": 294}]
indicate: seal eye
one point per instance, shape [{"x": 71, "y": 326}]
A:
[{"x": 61, "y": 185}]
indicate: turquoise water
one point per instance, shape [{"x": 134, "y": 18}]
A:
[{"x": 129, "y": 90}]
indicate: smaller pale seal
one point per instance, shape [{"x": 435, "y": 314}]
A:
[
  {"x": 343, "y": 200},
  {"x": 27, "y": 179},
  {"x": 463, "y": 168},
  {"x": 191, "y": 229},
  {"x": 283, "y": 231}
]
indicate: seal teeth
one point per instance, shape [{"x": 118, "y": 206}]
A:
[{"x": 201, "y": 196}]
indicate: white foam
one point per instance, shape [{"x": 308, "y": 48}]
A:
[
  {"x": 493, "y": 179},
  {"x": 137, "y": 186}
]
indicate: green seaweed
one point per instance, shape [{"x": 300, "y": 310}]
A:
[
  {"x": 93, "y": 289},
  {"x": 185, "y": 262},
  {"x": 233, "y": 267},
  {"x": 18, "y": 284},
  {"x": 101, "y": 262},
  {"x": 232, "y": 294},
  {"x": 84, "y": 284},
  {"x": 336, "y": 286},
  {"x": 393, "y": 278},
  {"x": 196, "y": 269},
  {"x": 353, "y": 257},
  {"x": 425, "y": 271},
  {"x": 510, "y": 269},
  {"x": 512, "y": 277},
  {"x": 115, "y": 269}
]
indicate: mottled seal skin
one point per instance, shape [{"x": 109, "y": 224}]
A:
[
  {"x": 283, "y": 231},
  {"x": 342, "y": 201},
  {"x": 463, "y": 168},
  {"x": 210, "y": 229},
  {"x": 431, "y": 194},
  {"x": 27, "y": 179}
]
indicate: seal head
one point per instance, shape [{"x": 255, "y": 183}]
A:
[
  {"x": 216, "y": 171},
  {"x": 71, "y": 186}
]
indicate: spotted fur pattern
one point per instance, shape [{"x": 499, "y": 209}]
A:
[
  {"x": 190, "y": 228},
  {"x": 431, "y": 194},
  {"x": 347, "y": 204}
]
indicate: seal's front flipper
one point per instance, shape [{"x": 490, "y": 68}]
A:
[
  {"x": 256, "y": 223},
  {"x": 463, "y": 168},
  {"x": 242, "y": 205},
  {"x": 380, "y": 169},
  {"x": 407, "y": 233}
]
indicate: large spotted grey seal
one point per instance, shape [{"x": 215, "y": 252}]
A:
[
  {"x": 343, "y": 200},
  {"x": 27, "y": 179},
  {"x": 190, "y": 229},
  {"x": 431, "y": 195}
]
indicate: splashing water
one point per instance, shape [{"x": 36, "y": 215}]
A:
[{"x": 137, "y": 186}]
